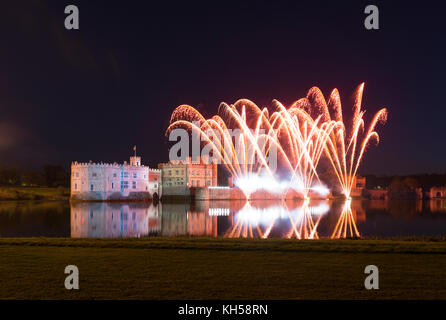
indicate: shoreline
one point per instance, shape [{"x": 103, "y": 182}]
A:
[{"x": 27, "y": 193}]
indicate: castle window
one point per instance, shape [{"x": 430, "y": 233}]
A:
[
  {"x": 77, "y": 174},
  {"x": 112, "y": 185},
  {"x": 94, "y": 174},
  {"x": 135, "y": 175},
  {"x": 91, "y": 188},
  {"x": 156, "y": 186},
  {"x": 208, "y": 183},
  {"x": 134, "y": 184},
  {"x": 176, "y": 172},
  {"x": 75, "y": 186},
  {"x": 124, "y": 184},
  {"x": 126, "y": 174},
  {"x": 114, "y": 175}
]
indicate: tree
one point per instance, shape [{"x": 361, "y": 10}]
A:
[{"x": 56, "y": 176}]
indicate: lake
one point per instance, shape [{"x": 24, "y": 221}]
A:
[{"x": 257, "y": 219}]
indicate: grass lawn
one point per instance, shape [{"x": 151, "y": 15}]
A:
[
  {"x": 33, "y": 193},
  {"x": 202, "y": 268}
]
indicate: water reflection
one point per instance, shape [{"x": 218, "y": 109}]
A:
[
  {"x": 292, "y": 219},
  {"x": 234, "y": 219},
  {"x": 182, "y": 220},
  {"x": 34, "y": 219},
  {"x": 257, "y": 219},
  {"x": 238, "y": 219},
  {"x": 346, "y": 225},
  {"x": 114, "y": 220}
]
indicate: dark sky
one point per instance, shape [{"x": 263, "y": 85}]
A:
[{"x": 92, "y": 94}]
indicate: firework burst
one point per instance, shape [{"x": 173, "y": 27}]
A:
[{"x": 299, "y": 135}]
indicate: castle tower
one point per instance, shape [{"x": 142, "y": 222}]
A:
[{"x": 135, "y": 161}]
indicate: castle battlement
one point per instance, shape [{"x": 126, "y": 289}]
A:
[{"x": 104, "y": 165}]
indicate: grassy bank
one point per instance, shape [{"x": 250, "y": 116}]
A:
[
  {"x": 33, "y": 193},
  {"x": 201, "y": 268}
]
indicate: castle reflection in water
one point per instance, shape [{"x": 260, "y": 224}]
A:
[{"x": 256, "y": 219}]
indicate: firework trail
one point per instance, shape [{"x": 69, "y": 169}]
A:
[
  {"x": 236, "y": 136},
  {"x": 345, "y": 150},
  {"x": 299, "y": 135}
]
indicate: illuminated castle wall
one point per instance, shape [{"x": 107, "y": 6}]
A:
[
  {"x": 178, "y": 177},
  {"x": 437, "y": 192},
  {"x": 358, "y": 186},
  {"x": 105, "y": 181}
]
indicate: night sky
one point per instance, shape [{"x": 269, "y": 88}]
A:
[{"x": 93, "y": 93}]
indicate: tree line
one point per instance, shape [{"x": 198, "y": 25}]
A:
[
  {"x": 48, "y": 176},
  {"x": 409, "y": 181}
]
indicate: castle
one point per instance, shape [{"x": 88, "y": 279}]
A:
[
  {"x": 180, "y": 178},
  {"x": 105, "y": 181},
  {"x": 132, "y": 181}
]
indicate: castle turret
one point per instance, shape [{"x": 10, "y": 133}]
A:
[{"x": 135, "y": 161}]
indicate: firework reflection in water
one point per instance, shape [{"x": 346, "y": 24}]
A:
[
  {"x": 346, "y": 225},
  {"x": 255, "y": 222}
]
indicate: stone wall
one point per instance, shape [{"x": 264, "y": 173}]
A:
[
  {"x": 376, "y": 194},
  {"x": 438, "y": 192}
]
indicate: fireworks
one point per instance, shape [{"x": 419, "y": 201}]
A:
[
  {"x": 345, "y": 150},
  {"x": 250, "y": 142},
  {"x": 236, "y": 137}
]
